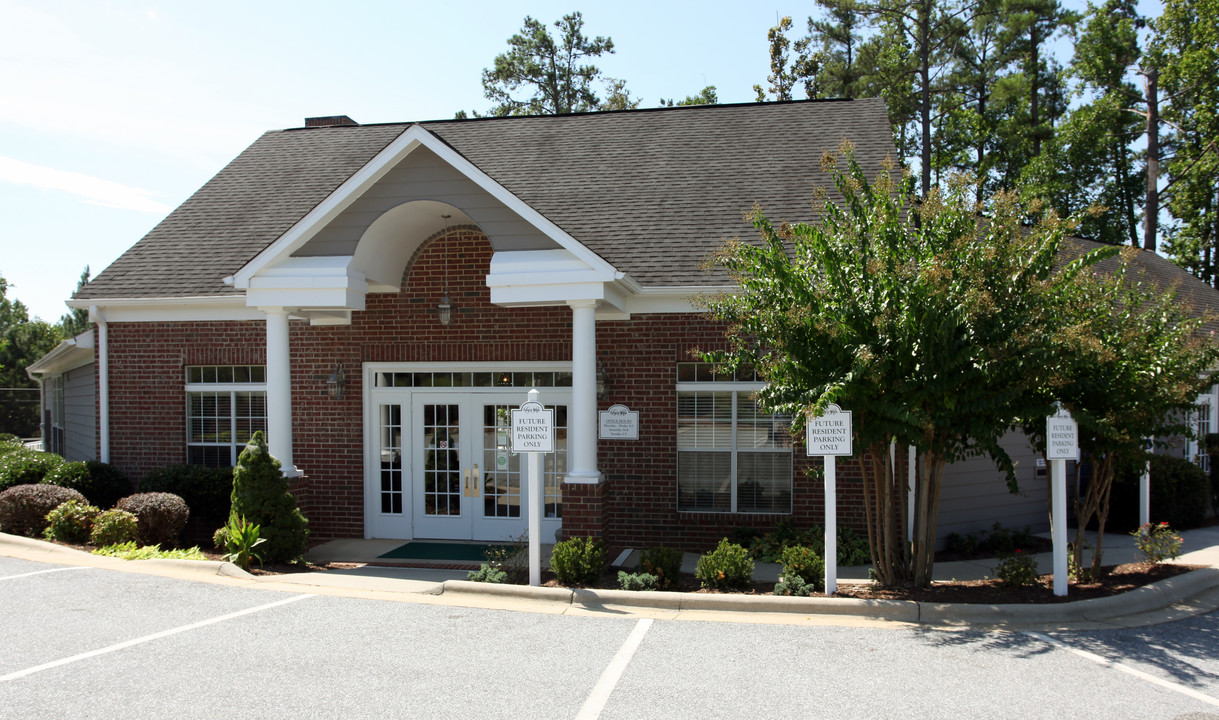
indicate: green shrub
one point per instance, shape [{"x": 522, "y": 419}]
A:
[
  {"x": 727, "y": 566},
  {"x": 853, "y": 550},
  {"x": 130, "y": 551},
  {"x": 102, "y": 484},
  {"x": 241, "y": 537},
  {"x": 160, "y": 516},
  {"x": 803, "y": 562},
  {"x": 511, "y": 557},
  {"x": 26, "y": 467},
  {"x": 1017, "y": 570},
  {"x": 966, "y": 545},
  {"x": 112, "y": 527},
  {"x": 1157, "y": 542},
  {"x": 10, "y": 443},
  {"x": 1180, "y": 494},
  {"x": 578, "y": 561},
  {"x": 488, "y": 574},
  {"x": 664, "y": 563},
  {"x": 795, "y": 585},
  {"x": 636, "y": 581},
  {"x": 70, "y": 522},
  {"x": 24, "y": 508},
  {"x": 208, "y": 491},
  {"x": 261, "y": 495}
]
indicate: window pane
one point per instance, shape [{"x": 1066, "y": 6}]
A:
[
  {"x": 704, "y": 420},
  {"x": 704, "y": 481},
  {"x": 764, "y": 482},
  {"x": 756, "y": 429}
]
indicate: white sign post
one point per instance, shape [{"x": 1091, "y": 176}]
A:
[
  {"x": 533, "y": 435},
  {"x": 829, "y": 434},
  {"x": 1061, "y": 444}
]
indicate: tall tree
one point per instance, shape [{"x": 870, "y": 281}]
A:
[
  {"x": 840, "y": 34},
  {"x": 22, "y": 340},
  {"x": 1090, "y": 161},
  {"x": 1185, "y": 49},
  {"x": 554, "y": 73},
  {"x": 76, "y": 321},
  {"x": 786, "y": 70},
  {"x": 933, "y": 333},
  {"x": 706, "y": 96}
]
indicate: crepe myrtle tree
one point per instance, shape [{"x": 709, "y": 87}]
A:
[
  {"x": 1131, "y": 363},
  {"x": 931, "y": 329}
]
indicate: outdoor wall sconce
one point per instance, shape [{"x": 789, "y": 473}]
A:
[
  {"x": 602, "y": 381},
  {"x": 445, "y": 311},
  {"x": 337, "y": 382}
]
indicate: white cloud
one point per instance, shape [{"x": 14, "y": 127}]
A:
[{"x": 94, "y": 190}]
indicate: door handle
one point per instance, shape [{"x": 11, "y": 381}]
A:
[
  {"x": 477, "y": 480},
  {"x": 466, "y": 483}
]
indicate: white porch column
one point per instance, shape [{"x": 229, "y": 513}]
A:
[
  {"x": 582, "y": 416},
  {"x": 279, "y": 389}
]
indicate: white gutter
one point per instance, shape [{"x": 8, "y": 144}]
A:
[{"x": 103, "y": 384}]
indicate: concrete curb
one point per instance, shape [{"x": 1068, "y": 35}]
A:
[{"x": 1156, "y": 596}]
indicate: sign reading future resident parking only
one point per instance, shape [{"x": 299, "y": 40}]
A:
[
  {"x": 532, "y": 429},
  {"x": 1061, "y": 436},
  {"x": 829, "y": 433}
]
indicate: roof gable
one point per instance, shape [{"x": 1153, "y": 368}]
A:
[{"x": 648, "y": 193}]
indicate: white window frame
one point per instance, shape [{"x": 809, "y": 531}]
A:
[
  {"x": 219, "y": 388},
  {"x": 739, "y": 390}
]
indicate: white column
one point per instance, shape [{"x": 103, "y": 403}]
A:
[
  {"x": 582, "y": 416},
  {"x": 279, "y": 389}
]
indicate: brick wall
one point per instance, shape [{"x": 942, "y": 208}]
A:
[{"x": 636, "y": 507}]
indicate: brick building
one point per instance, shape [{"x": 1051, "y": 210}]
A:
[{"x": 377, "y": 297}]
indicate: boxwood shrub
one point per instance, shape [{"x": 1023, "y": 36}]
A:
[
  {"x": 160, "y": 516},
  {"x": 24, "y": 508},
  {"x": 728, "y": 566},
  {"x": 1180, "y": 495},
  {"x": 101, "y": 483},
  {"x": 208, "y": 491},
  {"x": 578, "y": 561}
]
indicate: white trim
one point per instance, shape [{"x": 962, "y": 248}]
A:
[
  {"x": 173, "y": 309},
  {"x": 367, "y": 176},
  {"x": 67, "y": 355}
]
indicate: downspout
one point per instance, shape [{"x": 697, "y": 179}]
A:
[{"x": 103, "y": 384}]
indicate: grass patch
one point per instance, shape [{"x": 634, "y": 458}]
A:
[{"x": 129, "y": 551}]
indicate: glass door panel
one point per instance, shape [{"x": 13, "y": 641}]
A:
[{"x": 441, "y": 462}]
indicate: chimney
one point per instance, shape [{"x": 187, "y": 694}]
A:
[{"x": 329, "y": 121}]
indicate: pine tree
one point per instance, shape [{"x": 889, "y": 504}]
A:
[{"x": 261, "y": 496}]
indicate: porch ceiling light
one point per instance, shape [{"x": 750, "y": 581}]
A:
[{"x": 337, "y": 382}]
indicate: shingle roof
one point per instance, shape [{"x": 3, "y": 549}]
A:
[{"x": 653, "y": 192}]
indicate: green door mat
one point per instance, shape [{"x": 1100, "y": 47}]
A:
[{"x": 439, "y": 551}]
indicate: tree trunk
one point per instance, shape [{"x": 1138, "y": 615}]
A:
[
  {"x": 1151, "y": 211},
  {"x": 1035, "y": 82},
  {"x": 924, "y": 50},
  {"x": 927, "y": 502}
]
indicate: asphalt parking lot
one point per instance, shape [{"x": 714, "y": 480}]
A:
[{"x": 91, "y": 642}]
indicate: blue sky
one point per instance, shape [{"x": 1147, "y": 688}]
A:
[{"x": 113, "y": 113}]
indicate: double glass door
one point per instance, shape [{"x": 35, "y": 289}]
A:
[{"x": 447, "y": 469}]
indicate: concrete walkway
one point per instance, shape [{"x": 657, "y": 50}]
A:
[{"x": 1183, "y": 596}]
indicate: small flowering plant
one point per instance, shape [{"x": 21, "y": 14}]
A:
[
  {"x": 1157, "y": 542},
  {"x": 1017, "y": 570}
]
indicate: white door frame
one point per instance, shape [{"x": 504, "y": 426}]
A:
[{"x": 402, "y": 526}]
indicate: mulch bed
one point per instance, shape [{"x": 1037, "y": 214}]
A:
[{"x": 1116, "y": 580}]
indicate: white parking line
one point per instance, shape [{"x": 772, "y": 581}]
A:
[
  {"x": 40, "y": 572},
  {"x": 613, "y": 672},
  {"x": 1100, "y": 660},
  {"x": 147, "y": 638}
]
